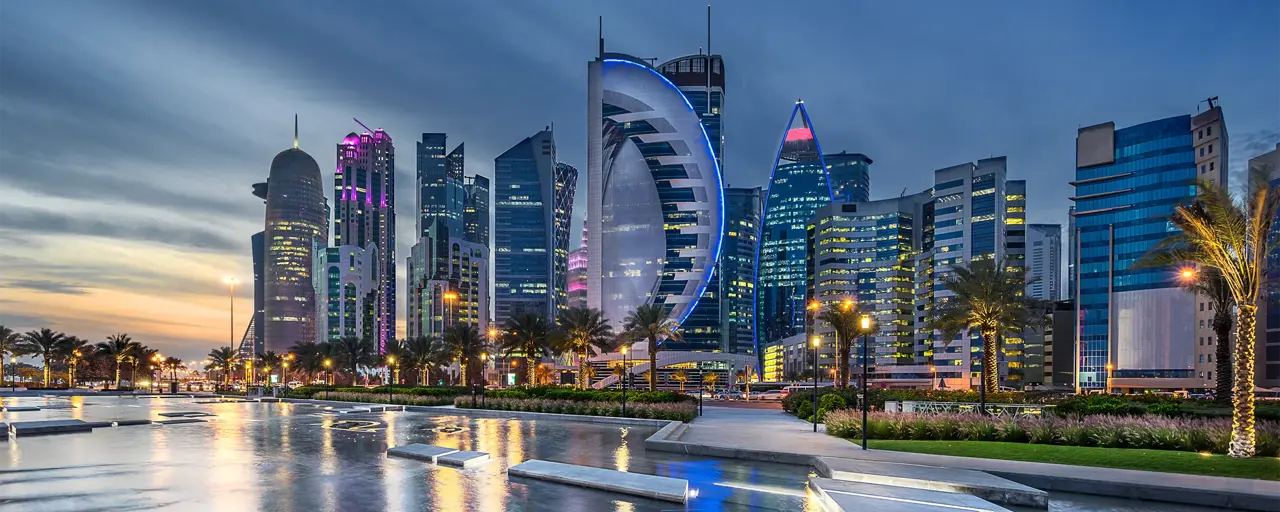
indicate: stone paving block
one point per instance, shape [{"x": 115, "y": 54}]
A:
[
  {"x": 179, "y": 421},
  {"x": 419, "y": 451},
  {"x": 185, "y": 414},
  {"x": 983, "y": 485},
  {"x": 463, "y": 459},
  {"x": 635, "y": 484},
  {"x": 4, "y": 427},
  {"x": 31, "y": 428},
  {"x": 20, "y": 408},
  {"x": 842, "y": 496}
]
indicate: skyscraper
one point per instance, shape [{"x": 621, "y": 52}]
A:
[
  {"x": 475, "y": 214},
  {"x": 1137, "y": 318},
  {"x": 865, "y": 252},
  {"x": 441, "y": 196},
  {"x": 350, "y": 293},
  {"x": 797, "y": 188},
  {"x": 737, "y": 269},
  {"x": 296, "y": 224},
  {"x": 253, "y": 339},
  {"x": 850, "y": 175},
  {"x": 577, "y": 286},
  {"x": 654, "y": 203},
  {"x": 1044, "y": 259},
  {"x": 528, "y": 205},
  {"x": 364, "y": 217},
  {"x": 1267, "y": 347},
  {"x": 566, "y": 184},
  {"x": 702, "y": 79},
  {"x": 458, "y": 295}
]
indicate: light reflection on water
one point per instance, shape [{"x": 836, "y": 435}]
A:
[{"x": 285, "y": 457}]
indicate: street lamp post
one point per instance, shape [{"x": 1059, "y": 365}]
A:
[
  {"x": 231, "y": 282},
  {"x": 933, "y": 377},
  {"x": 328, "y": 368},
  {"x": 391, "y": 361},
  {"x": 13, "y": 365},
  {"x": 484, "y": 367},
  {"x": 866, "y": 396},
  {"x": 626, "y": 373},
  {"x": 816, "y": 341}
]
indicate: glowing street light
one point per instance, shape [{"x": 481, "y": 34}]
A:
[
  {"x": 232, "y": 282},
  {"x": 865, "y": 323},
  {"x": 1187, "y": 274}
]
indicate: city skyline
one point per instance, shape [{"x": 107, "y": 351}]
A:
[{"x": 118, "y": 161}]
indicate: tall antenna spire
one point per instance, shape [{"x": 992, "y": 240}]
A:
[{"x": 295, "y": 131}]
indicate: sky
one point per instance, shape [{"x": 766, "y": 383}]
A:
[{"x": 134, "y": 130}]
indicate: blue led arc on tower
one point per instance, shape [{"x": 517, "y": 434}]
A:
[{"x": 798, "y": 186}]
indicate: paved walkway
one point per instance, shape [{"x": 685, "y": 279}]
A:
[{"x": 765, "y": 430}]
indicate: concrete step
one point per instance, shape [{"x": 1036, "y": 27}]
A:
[
  {"x": 20, "y": 408},
  {"x": 35, "y": 428},
  {"x": 983, "y": 485},
  {"x": 845, "y": 496},
  {"x": 419, "y": 451},
  {"x": 463, "y": 459},
  {"x": 118, "y": 423},
  {"x": 179, "y": 421},
  {"x": 635, "y": 484}
]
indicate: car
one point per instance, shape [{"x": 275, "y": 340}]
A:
[
  {"x": 775, "y": 394},
  {"x": 726, "y": 395}
]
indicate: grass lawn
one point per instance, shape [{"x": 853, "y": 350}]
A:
[{"x": 1264, "y": 468}]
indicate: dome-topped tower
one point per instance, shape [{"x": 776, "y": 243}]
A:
[{"x": 296, "y": 234}]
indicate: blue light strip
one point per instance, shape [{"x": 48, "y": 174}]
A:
[{"x": 710, "y": 270}]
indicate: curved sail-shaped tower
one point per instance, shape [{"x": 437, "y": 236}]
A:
[
  {"x": 798, "y": 186},
  {"x": 655, "y": 202}
]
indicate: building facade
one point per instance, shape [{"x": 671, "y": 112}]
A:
[
  {"x": 1267, "y": 347},
  {"x": 566, "y": 185},
  {"x": 526, "y": 229},
  {"x": 1044, "y": 261},
  {"x": 850, "y": 175},
  {"x": 1137, "y": 320},
  {"x": 460, "y": 295},
  {"x": 655, "y": 208},
  {"x": 296, "y": 224},
  {"x": 364, "y": 215},
  {"x": 865, "y": 252},
  {"x": 351, "y": 293},
  {"x": 798, "y": 186},
  {"x": 737, "y": 268},
  {"x": 475, "y": 213}
]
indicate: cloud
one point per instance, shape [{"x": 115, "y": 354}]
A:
[
  {"x": 46, "y": 222},
  {"x": 1245, "y": 146},
  {"x": 46, "y": 286}
]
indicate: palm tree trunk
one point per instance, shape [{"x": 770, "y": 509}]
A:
[
  {"x": 46, "y": 371},
  {"x": 1242, "y": 436},
  {"x": 653, "y": 364},
  {"x": 528, "y": 372},
  {"x": 117, "y": 374},
  {"x": 582, "y": 370},
  {"x": 990, "y": 373},
  {"x": 1222, "y": 330}
]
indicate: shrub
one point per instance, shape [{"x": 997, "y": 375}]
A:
[
  {"x": 682, "y": 411},
  {"x": 373, "y": 398},
  {"x": 832, "y": 402},
  {"x": 805, "y": 410}
]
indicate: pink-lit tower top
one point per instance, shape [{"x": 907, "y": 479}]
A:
[
  {"x": 364, "y": 194},
  {"x": 577, "y": 286}
]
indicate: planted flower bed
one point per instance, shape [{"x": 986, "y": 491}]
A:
[
  {"x": 374, "y": 398},
  {"x": 1150, "y": 432}
]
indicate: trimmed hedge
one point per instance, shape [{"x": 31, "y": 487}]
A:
[
  {"x": 681, "y": 411},
  {"x": 444, "y": 392},
  {"x": 374, "y": 398},
  {"x": 1107, "y": 431},
  {"x": 589, "y": 395}
]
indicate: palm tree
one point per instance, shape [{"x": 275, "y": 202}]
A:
[
  {"x": 73, "y": 350},
  {"x": 44, "y": 343},
  {"x": 531, "y": 336},
  {"x": 118, "y": 347},
  {"x": 355, "y": 352},
  {"x": 141, "y": 355},
  {"x": 541, "y": 375},
  {"x": 426, "y": 355},
  {"x": 223, "y": 359},
  {"x": 1212, "y": 286},
  {"x": 585, "y": 330},
  {"x": 844, "y": 319},
  {"x": 1219, "y": 233},
  {"x": 710, "y": 380},
  {"x": 393, "y": 355},
  {"x": 172, "y": 364},
  {"x": 308, "y": 358},
  {"x": 269, "y": 362},
  {"x": 989, "y": 297},
  {"x": 464, "y": 343},
  {"x": 8, "y": 339},
  {"x": 650, "y": 322},
  {"x": 587, "y": 374},
  {"x": 682, "y": 377},
  {"x": 619, "y": 370}
]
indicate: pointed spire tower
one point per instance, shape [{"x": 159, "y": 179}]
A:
[
  {"x": 295, "y": 131},
  {"x": 797, "y": 187}
]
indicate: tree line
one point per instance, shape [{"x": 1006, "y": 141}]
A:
[{"x": 79, "y": 359}]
